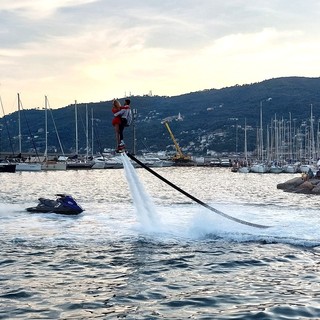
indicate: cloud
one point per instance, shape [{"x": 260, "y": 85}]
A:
[
  {"x": 95, "y": 50},
  {"x": 39, "y": 9}
]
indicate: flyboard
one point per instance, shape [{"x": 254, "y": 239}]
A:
[{"x": 251, "y": 224}]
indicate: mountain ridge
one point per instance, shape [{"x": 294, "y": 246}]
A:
[{"x": 213, "y": 119}]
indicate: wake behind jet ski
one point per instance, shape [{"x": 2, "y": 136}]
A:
[{"x": 64, "y": 204}]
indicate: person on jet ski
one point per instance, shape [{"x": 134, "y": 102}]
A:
[{"x": 64, "y": 204}]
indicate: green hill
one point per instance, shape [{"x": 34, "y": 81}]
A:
[{"x": 212, "y": 119}]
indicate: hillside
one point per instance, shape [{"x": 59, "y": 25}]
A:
[{"x": 212, "y": 119}]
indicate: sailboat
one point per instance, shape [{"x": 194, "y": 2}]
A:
[
  {"x": 48, "y": 164},
  {"x": 261, "y": 166},
  {"x": 75, "y": 162},
  {"x": 276, "y": 138},
  {"x": 98, "y": 162},
  {"x": 26, "y": 165},
  {"x": 245, "y": 168}
]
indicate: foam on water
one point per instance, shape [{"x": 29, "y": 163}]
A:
[
  {"x": 293, "y": 227},
  {"x": 102, "y": 221},
  {"x": 144, "y": 205}
]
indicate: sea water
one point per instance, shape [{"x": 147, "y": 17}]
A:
[{"x": 142, "y": 250}]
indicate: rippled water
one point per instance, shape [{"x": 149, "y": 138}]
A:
[{"x": 113, "y": 262}]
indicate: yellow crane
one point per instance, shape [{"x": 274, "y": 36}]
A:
[{"x": 179, "y": 155}]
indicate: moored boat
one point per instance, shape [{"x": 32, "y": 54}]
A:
[
  {"x": 113, "y": 162},
  {"x": 290, "y": 168},
  {"x": 98, "y": 163},
  {"x": 7, "y": 167},
  {"x": 304, "y": 168},
  {"x": 53, "y": 165},
  {"x": 28, "y": 166},
  {"x": 78, "y": 165},
  {"x": 150, "y": 161},
  {"x": 259, "y": 168},
  {"x": 275, "y": 169},
  {"x": 244, "y": 169}
]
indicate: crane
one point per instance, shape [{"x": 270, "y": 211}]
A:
[{"x": 179, "y": 155}]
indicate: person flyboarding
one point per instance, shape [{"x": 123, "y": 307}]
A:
[
  {"x": 116, "y": 121},
  {"x": 122, "y": 119}
]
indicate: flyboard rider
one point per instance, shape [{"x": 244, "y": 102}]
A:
[{"x": 122, "y": 118}]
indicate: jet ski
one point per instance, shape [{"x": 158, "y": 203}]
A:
[{"x": 64, "y": 204}]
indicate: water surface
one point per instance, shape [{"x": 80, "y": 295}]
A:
[{"x": 180, "y": 261}]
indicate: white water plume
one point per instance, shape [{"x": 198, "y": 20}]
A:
[{"x": 144, "y": 206}]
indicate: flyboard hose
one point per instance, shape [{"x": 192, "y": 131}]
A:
[{"x": 194, "y": 198}]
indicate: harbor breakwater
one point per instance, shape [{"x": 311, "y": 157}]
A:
[{"x": 301, "y": 185}]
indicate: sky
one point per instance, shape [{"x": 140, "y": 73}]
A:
[{"x": 97, "y": 50}]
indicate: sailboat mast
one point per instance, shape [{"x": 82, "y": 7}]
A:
[
  {"x": 312, "y": 153},
  {"x": 261, "y": 133},
  {"x": 92, "y": 130},
  {"x": 87, "y": 131},
  {"x": 46, "y": 127},
  {"x": 245, "y": 142},
  {"x": 261, "y": 129},
  {"x": 318, "y": 142},
  {"x": 76, "y": 121},
  {"x": 19, "y": 122}
]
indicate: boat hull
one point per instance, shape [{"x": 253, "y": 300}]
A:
[
  {"x": 64, "y": 204},
  {"x": 7, "y": 167},
  {"x": 290, "y": 169},
  {"x": 25, "y": 166},
  {"x": 276, "y": 169},
  {"x": 259, "y": 168},
  {"x": 54, "y": 166},
  {"x": 44, "y": 210},
  {"x": 79, "y": 165},
  {"x": 244, "y": 170}
]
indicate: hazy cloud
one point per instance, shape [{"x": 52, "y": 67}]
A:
[{"x": 94, "y": 50}]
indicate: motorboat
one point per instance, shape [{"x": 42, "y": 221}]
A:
[
  {"x": 53, "y": 165},
  {"x": 28, "y": 166},
  {"x": 113, "y": 162},
  {"x": 79, "y": 164},
  {"x": 304, "y": 168},
  {"x": 276, "y": 169},
  {"x": 98, "y": 163},
  {"x": 244, "y": 169},
  {"x": 225, "y": 162},
  {"x": 64, "y": 204},
  {"x": 291, "y": 168},
  {"x": 215, "y": 162},
  {"x": 151, "y": 161},
  {"x": 259, "y": 168}
]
